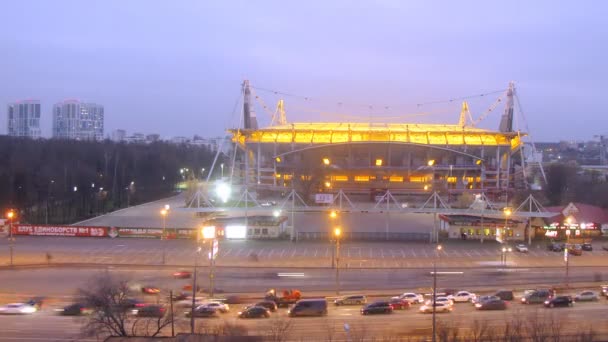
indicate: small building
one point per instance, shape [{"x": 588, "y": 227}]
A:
[
  {"x": 250, "y": 228},
  {"x": 483, "y": 228},
  {"x": 576, "y": 219}
]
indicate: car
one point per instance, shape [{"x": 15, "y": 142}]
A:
[
  {"x": 482, "y": 299},
  {"x": 149, "y": 311},
  {"x": 76, "y": 309},
  {"x": 309, "y": 307},
  {"x": 575, "y": 250},
  {"x": 380, "y": 307},
  {"x": 131, "y": 303},
  {"x": 559, "y": 301},
  {"x": 556, "y": 247},
  {"x": 187, "y": 302},
  {"x": 492, "y": 304},
  {"x": 504, "y": 294},
  {"x": 462, "y": 297},
  {"x": 179, "y": 296},
  {"x": 521, "y": 248},
  {"x": 587, "y": 246},
  {"x": 586, "y": 296},
  {"x": 536, "y": 297},
  {"x": 153, "y": 290},
  {"x": 268, "y": 304},
  {"x": 182, "y": 274},
  {"x": 268, "y": 204},
  {"x": 604, "y": 290},
  {"x": 203, "y": 312},
  {"x": 399, "y": 304},
  {"x": 17, "y": 309},
  {"x": 437, "y": 307},
  {"x": 351, "y": 300},
  {"x": 442, "y": 299},
  {"x": 221, "y": 307},
  {"x": 254, "y": 312},
  {"x": 412, "y": 298}
]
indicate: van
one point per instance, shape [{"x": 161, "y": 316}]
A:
[
  {"x": 504, "y": 294},
  {"x": 309, "y": 307},
  {"x": 536, "y": 297}
]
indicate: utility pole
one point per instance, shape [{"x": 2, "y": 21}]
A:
[{"x": 437, "y": 249}]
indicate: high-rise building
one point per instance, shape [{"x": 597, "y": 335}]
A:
[
  {"x": 24, "y": 119},
  {"x": 73, "y": 119}
]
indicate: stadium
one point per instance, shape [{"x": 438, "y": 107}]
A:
[{"x": 366, "y": 159}]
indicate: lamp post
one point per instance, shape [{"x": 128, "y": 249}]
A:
[
  {"x": 507, "y": 212},
  {"x": 434, "y": 237},
  {"x": 437, "y": 250},
  {"x": 337, "y": 233},
  {"x": 163, "y": 213},
  {"x": 566, "y": 256},
  {"x": 333, "y": 215},
  {"x": 198, "y": 251},
  {"x": 10, "y": 215},
  {"x": 209, "y": 235}
]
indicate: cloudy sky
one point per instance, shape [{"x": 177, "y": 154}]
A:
[{"x": 175, "y": 67}]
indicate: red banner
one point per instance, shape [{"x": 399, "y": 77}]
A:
[{"x": 81, "y": 231}]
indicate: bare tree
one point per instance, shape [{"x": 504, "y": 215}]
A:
[
  {"x": 278, "y": 330},
  {"x": 111, "y": 299}
]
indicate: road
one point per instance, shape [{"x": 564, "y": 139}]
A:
[
  {"x": 46, "y": 326},
  {"x": 459, "y": 254}
]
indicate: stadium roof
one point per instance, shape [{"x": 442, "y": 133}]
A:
[{"x": 335, "y": 133}]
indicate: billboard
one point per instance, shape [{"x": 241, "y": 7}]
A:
[
  {"x": 324, "y": 198},
  {"x": 46, "y": 230}
]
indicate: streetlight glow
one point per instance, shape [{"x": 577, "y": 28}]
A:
[
  {"x": 379, "y": 162},
  {"x": 333, "y": 214},
  {"x": 208, "y": 232},
  {"x": 431, "y": 162},
  {"x": 167, "y": 207},
  {"x": 337, "y": 232},
  {"x": 10, "y": 214},
  {"x": 326, "y": 161},
  {"x": 328, "y": 184},
  {"x": 222, "y": 191},
  {"x": 276, "y": 213},
  {"x": 163, "y": 212}
]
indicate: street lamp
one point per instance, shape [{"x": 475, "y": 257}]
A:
[
  {"x": 196, "y": 255},
  {"x": 209, "y": 235},
  {"x": 507, "y": 212},
  {"x": 333, "y": 215},
  {"x": 326, "y": 161},
  {"x": 337, "y": 233},
  {"x": 222, "y": 167},
  {"x": 10, "y": 215},
  {"x": 163, "y": 213},
  {"x": 566, "y": 256},
  {"x": 437, "y": 250}
]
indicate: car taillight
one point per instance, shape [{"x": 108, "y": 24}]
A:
[
  {"x": 391, "y": 306},
  {"x": 139, "y": 305}
]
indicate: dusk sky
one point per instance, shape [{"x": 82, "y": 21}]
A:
[{"x": 176, "y": 67}]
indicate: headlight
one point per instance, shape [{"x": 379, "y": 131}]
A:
[
  {"x": 477, "y": 305},
  {"x": 28, "y": 309},
  {"x": 546, "y": 302}
]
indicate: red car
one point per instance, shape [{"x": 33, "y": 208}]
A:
[
  {"x": 182, "y": 275},
  {"x": 150, "y": 290},
  {"x": 399, "y": 304}
]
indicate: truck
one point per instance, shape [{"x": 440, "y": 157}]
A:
[{"x": 286, "y": 298}]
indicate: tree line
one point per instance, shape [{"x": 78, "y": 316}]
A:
[{"x": 63, "y": 181}]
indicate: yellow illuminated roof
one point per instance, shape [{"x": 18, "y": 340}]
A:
[{"x": 335, "y": 132}]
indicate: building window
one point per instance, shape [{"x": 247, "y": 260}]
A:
[
  {"x": 451, "y": 179},
  {"x": 264, "y": 231},
  {"x": 257, "y": 231},
  {"x": 396, "y": 179},
  {"x": 340, "y": 178},
  {"x": 361, "y": 178},
  {"x": 417, "y": 179}
]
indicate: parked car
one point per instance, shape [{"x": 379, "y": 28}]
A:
[
  {"x": 268, "y": 304},
  {"x": 556, "y": 247},
  {"x": 462, "y": 297},
  {"x": 482, "y": 299},
  {"x": 575, "y": 250},
  {"x": 254, "y": 312},
  {"x": 203, "y": 312},
  {"x": 412, "y": 298},
  {"x": 399, "y": 304},
  {"x": 351, "y": 300},
  {"x": 76, "y": 309},
  {"x": 380, "y": 307},
  {"x": 536, "y": 297},
  {"x": 437, "y": 307},
  {"x": 587, "y": 246},
  {"x": 149, "y": 311},
  {"x": 559, "y": 301},
  {"x": 445, "y": 300},
  {"x": 492, "y": 304},
  {"x": 521, "y": 248},
  {"x": 221, "y": 307},
  {"x": 586, "y": 296},
  {"x": 309, "y": 307},
  {"x": 504, "y": 294}
]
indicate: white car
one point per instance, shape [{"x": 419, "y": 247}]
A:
[
  {"x": 410, "y": 297},
  {"x": 521, "y": 248},
  {"x": 188, "y": 302},
  {"x": 445, "y": 300},
  {"x": 17, "y": 309},
  {"x": 439, "y": 307},
  {"x": 462, "y": 297},
  {"x": 221, "y": 307}
]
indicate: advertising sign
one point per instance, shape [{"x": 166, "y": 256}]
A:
[
  {"x": 324, "y": 198},
  {"x": 40, "y": 230},
  {"x": 140, "y": 232}
]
